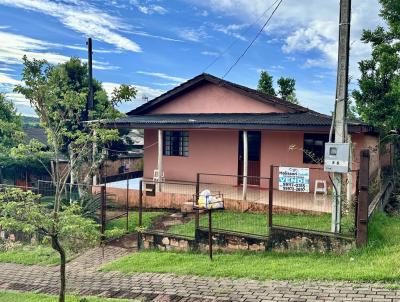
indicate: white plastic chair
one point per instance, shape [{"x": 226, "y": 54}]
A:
[{"x": 319, "y": 189}]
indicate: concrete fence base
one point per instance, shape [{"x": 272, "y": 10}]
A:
[{"x": 280, "y": 240}]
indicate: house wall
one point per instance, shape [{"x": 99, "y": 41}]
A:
[
  {"x": 216, "y": 151},
  {"x": 210, "y": 98},
  {"x": 365, "y": 141},
  {"x": 210, "y": 151}
]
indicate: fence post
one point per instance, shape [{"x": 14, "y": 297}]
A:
[
  {"x": 270, "y": 195},
  {"x": 356, "y": 203},
  {"x": 103, "y": 210},
  {"x": 140, "y": 202},
  {"x": 210, "y": 240},
  {"x": 127, "y": 203},
  {"x": 139, "y": 237},
  {"x": 362, "y": 216},
  {"x": 197, "y": 218}
]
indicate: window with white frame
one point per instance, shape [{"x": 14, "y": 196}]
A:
[{"x": 176, "y": 143}]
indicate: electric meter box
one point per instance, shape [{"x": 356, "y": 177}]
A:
[{"x": 337, "y": 157}]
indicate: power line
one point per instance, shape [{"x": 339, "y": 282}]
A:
[
  {"x": 222, "y": 53},
  {"x": 252, "y": 42}
]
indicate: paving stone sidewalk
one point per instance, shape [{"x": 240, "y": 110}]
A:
[{"x": 85, "y": 279}]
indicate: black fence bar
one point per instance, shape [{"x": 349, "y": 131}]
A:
[
  {"x": 197, "y": 215},
  {"x": 127, "y": 203},
  {"x": 210, "y": 243},
  {"x": 270, "y": 196},
  {"x": 140, "y": 214},
  {"x": 362, "y": 216},
  {"x": 103, "y": 211}
]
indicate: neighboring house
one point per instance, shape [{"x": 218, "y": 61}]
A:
[
  {"x": 201, "y": 126},
  {"x": 37, "y": 133}
]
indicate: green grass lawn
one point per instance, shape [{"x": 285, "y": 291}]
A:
[
  {"x": 380, "y": 261},
  {"x": 12, "y": 296},
  {"x": 257, "y": 223},
  {"x": 117, "y": 227},
  {"x": 29, "y": 255}
]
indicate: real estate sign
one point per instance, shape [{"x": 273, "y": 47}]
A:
[{"x": 294, "y": 179}]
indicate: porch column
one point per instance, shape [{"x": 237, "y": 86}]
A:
[
  {"x": 159, "y": 159},
  {"x": 245, "y": 163}
]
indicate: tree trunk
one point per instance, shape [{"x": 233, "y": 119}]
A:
[
  {"x": 55, "y": 243},
  {"x": 72, "y": 176}
]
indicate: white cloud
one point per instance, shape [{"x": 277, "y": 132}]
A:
[
  {"x": 193, "y": 34},
  {"x": 163, "y": 76},
  {"x": 310, "y": 27},
  {"x": 232, "y": 30},
  {"x": 145, "y": 34},
  {"x": 17, "y": 98},
  {"x": 82, "y": 17},
  {"x": 210, "y": 53},
  {"x": 147, "y": 8},
  {"x": 13, "y": 47},
  {"x": 172, "y": 84},
  {"x": 7, "y": 80},
  {"x": 144, "y": 94},
  {"x": 6, "y": 69},
  {"x": 21, "y": 104},
  {"x": 149, "y": 92},
  {"x": 203, "y": 13},
  {"x": 315, "y": 99}
]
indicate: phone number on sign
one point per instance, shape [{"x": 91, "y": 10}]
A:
[{"x": 294, "y": 187}]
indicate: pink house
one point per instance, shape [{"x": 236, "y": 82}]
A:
[{"x": 209, "y": 125}]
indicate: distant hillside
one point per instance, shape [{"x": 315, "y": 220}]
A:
[{"x": 30, "y": 120}]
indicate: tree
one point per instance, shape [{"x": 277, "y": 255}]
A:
[
  {"x": 59, "y": 95},
  {"x": 265, "y": 84},
  {"x": 378, "y": 97},
  {"x": 11, "y": 133},
  {"x": 22, "y": 212},
  {"x": 287, "y": 89}
]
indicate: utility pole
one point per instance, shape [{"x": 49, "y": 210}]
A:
[
  {"x": 341, "y": 103},
  {"x": 90, "y": 80},
  {"x": 90, "y": 96}
]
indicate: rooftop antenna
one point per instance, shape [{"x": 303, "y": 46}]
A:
[{"x": 145, "y": 98}]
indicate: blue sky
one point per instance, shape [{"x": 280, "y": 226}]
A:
[{"x": 157, "y": 44}]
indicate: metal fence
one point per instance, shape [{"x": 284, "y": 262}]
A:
[
  {"x": 96, "y": 203},
  {"x": 255, "y": 208},
  {"x": 246, "y": 206},
  {"x": 309, "y": 206},
  {"x": 167, "y": 207}
]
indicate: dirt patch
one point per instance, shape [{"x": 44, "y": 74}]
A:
[
  {"x": 165, "y": 222},
  {"x": 128, "y": 241}
]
